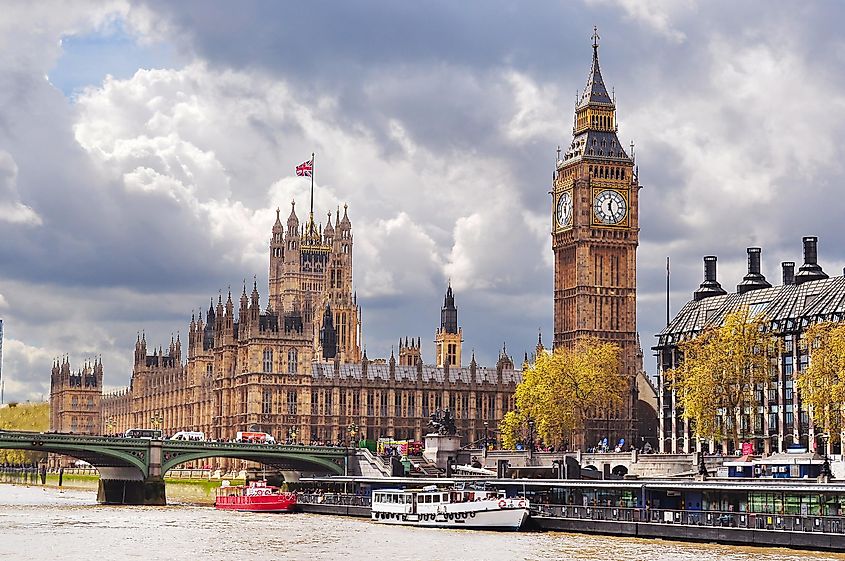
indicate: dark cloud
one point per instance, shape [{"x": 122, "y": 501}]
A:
[{"x": 133, "y": 202}]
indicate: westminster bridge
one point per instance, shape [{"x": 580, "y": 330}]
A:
[{"x": 132, "y": 469}]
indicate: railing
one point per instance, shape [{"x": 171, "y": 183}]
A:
[
  {"x": 752, "y": 520},
  {"x": 375, "y": 461},
  {"x": 333, "y": 499}
]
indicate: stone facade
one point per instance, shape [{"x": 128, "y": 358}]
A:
[
  {"x": 294, "y": 368},
  {"x": 75, "y": 397}
]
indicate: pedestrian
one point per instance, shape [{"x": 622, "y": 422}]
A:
[{"x": 61, "y": 475}]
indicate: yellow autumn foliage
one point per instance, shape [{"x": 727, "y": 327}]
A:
[
  {"x": 560, "y": 391},
  {"x": 716, "y": 380},
  {"x": 822, "y": 383}
]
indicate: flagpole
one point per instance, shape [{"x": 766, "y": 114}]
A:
[
  {"x": 667, "y": 291},
  {"x": 311, "y": 226}
]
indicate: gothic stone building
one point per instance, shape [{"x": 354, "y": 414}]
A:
[
  {"x": 294, "y": 368},
  {"x": 595, "y": 232},
  {"x": 75, "y": 397},
  {"x": 803, "y": 298}
]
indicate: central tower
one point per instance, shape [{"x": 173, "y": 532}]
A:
[{"x": 595, "y": 234}]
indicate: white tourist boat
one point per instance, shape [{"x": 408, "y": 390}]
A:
[{"x": 449, "y": 508}]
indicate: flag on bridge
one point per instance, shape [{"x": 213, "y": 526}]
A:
[{"x": 305, "y": 169}]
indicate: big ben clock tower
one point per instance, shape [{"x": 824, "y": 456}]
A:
[{"x": 594, "y": 238}]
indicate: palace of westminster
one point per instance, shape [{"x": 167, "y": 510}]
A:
[{"x": 293, "y": 366}]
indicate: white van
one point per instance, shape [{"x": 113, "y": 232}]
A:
[{"x": 188, "y": 435}]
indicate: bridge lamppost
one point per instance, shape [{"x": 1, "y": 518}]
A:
[
  {"x": 486, "y": 424},
  {"x": 292, "y": 435},
  {"x": 156, "y": 420},
  {"x": 825, "y": 471},
  {"x": 352, "y": 430},
  {"x": 110, "y": 426}
]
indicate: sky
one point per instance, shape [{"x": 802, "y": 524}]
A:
[{"x": 144, "y": 148}]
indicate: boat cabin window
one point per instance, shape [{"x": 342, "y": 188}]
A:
[
  {"x": 445, "y": 497},
  {"x": 435, "y": 498}
]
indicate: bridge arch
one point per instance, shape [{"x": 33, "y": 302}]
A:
[
  {"x": 99, "y": 455},
  {"x": 290, "y": 460}
]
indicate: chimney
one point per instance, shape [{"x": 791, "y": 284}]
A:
[
  {"x": 810, "y": 270},
  {"x": 788, "y": 272},
  {"x": 753, "y": 280},
  {"x": 710, "y": 286}
]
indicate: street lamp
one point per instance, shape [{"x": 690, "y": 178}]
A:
[
  {"x": 826, "y": 465},
  {"x": 485, "y": 437},
  {"x": 156, "y": 420},
  {"x": 292, "y": 435},
  {"x": 702, "y": 468},
  {"x": 352, "y": 430},
  {"x": 531, "y": 434}
]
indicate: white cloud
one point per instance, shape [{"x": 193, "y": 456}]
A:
[
  {"x": 190, "y": 135},
  {"x": 11, "y": 208}
]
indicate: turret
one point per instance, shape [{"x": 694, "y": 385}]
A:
[
  {"x": 449, "y": 336},
  {"x": 293, "y": 221},
  {"x": 328, "y": 232}
]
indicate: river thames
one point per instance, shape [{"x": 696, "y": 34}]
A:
[{"x": 46, "y": 524}]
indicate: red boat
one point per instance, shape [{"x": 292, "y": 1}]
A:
[{"x": 255, "y": 497}]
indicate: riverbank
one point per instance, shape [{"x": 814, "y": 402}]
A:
[{"x": 186, "y": 491}]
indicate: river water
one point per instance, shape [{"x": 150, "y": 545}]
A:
[{"x": 46, "y": 524}]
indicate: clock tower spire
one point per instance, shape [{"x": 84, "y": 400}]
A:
[{"x": 595, "y": 233}]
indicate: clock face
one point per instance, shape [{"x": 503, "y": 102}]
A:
[
  {"x": 610, "y": 207},
  {"x": 564, "y": 209}
]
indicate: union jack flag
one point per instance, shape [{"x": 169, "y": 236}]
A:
[{"x": 305, "y": 168}]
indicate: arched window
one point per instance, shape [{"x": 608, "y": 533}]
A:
[
  {"x": 268, "y": 360},
  {"x": 292, "y": 361}
]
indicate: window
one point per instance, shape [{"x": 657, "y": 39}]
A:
[
  {"x": 292, "y": 361},
  {"x": 292, "y": 402},
  {"x": 383, "y": 403},
  {"x": 755, "y": 309},
  {"x": 412, "y": 404},
  {"x": 425, "y": 412},
  {"x": 267, "y": 402},
  {"x": 787, "y": 365},
  {"x": 267, "y": 365},
  {"x": 314, "y": 401}
]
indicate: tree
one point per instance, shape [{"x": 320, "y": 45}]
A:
[
  {"x": 561, "y": 390},
  {"x": 721, "y": 370},
  {"x": 822, "y": 384}
]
